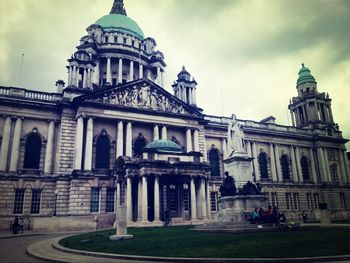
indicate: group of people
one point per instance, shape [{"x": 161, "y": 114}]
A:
[
  {"x": 271, "y": 215},
  {"x": 17, "y": 225}
]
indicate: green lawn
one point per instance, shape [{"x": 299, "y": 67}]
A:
[{"x": 181, "y": 242}]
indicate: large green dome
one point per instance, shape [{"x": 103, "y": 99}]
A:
[
  {"x": 305, "y": 76},
  {"x": 163, "y": 146},
  {"x": 121, "y": 23}
]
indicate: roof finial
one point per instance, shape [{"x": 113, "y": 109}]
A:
[
  {"x": 183, "y": 67},
  {"x": 118, "y": 8},
  {"x": 303, "y": 65}
]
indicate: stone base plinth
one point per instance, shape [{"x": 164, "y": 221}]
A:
[
  {"x": 120, "y": 237},
  {"x": 235, "y": 208}
]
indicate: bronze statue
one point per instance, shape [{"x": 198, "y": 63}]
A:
[{"x": 228, "y": 187}]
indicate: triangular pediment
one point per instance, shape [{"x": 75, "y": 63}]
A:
[{"x": 141, "y": 94}]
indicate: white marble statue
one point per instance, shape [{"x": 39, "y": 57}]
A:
[{"x": 235, "y": 136}]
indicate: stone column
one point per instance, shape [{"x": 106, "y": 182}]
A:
[
  {"x": 273, "y": 164},
  {"x": 158, "y": 79},
  {"x": 321, "y": 165},
  {"x": 255, "y": 162},
  {"x": 77, "y": 76},
  {"x": 84, "y": 78},
  {"x": 129, "y": 199},
  {"x": 298, "y": 160},
  {"x": 331, "y": 113},
  {"x": 155, "y": 132},
  {"x": 292, "y": 118},
  {"x": 196, "y": 140},
  {"x": 156, "y": 198},
  {"x": 188, "y": 140},
  {"x": 203, "y": 199},
  {"x": 96, "y": 74},
  {"x": 78, "y": 149},
  {"x": 162, "y": 79},
  {"x": 224, "y": 147},
  {"x": 49, "y": 148},
  {"x": 73, "y": 71},
  {"x": 328, "y": 171},
  {"x": 164, "y": 133},
  {"x": 278, "y": 163},
  {"x": 120, "y": 71},
  {"x": 69, "y": 75},
  {"x": 140, "y": 71},
  {"x": 342, "y": 177},
  {"x": 193, "y": 200},
  {"x": 120, "y": 139},
  {"x": 131, "y": 74},
  {"x": 15, "y": 145},
  {"x": 190, "y": 99},
  {"x": 139, "y": 200},
  {"x": 118, "y": 196},
  {"x": 313, "y": 166},
  {"x": 194, "y": 96},
  {"x": 294, "y": 165},
  {"x": 88, "y": 145},
  {"x": 128, "y": 149},
  {"x": 144, "y": 199},
  {"x": 208, "y": 199},
  {"x": 346, "y": 161},
  {"x": 5, "y": 143},
  {"x": 109, "y": 71}
]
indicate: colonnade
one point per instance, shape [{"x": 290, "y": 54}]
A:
[
  {"x": 12, "y": 156},
  {"x": 92, "y": 75},
  {"x": 199, "y": 198},
  {"x": 124, "y": 141},
  {"x": 75, "y": 76},
  {"x": 186, "y": 94},
  {"x": 311, "y": 111},
  {"x": 318, "y": 164}
]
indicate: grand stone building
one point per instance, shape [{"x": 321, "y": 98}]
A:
[{"x": 113, "y": 135}]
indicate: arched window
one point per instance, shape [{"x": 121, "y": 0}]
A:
[
  {"x": 285, "y": 167},
  {"x": 103, "y": 148},
  {"x": 334, "y": 173},
  {"x": 214, "y": 162},
  {"x": 305, "y": 168},
  {"x": 263, "y": 165},
  {"x": 139, "y": 144},
  {"x": 32, "y": 151}
]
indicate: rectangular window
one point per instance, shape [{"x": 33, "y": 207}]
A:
[
  {"x": 342, "y": 200},
  {"x": 121, "y": 195},
  {"x": 172, "y": 200},
  {"x": 214, "y": 201},
  {"x": 309, "y": 201},
  {"x": 186, "y": 200},
  {"x": 35, "y": 204},
  {"x": 18, "y": 202},
  {"x": 95, "y": 200},
  {"x": 296, "y": 203},
  {"x": 110, "y": 197},
  {"x": 316, "y": 201},
  {"x": 288, "y": 201},
  {"x": 274, "y": 201}
]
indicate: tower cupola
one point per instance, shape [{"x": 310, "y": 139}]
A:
[{"x": 185, "y": 87}]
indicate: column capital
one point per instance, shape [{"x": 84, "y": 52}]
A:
[{"x": 15, "y": 117}]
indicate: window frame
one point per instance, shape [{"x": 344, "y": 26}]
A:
[
  {"x": 93, "y": 202},
  {"x": 36, "y": 203},
  {"x": 15, "y": 201}
]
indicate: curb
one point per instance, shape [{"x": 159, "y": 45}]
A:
[
  {"x": 21, "y": 235},
  {"x": 135, "y": 258}
]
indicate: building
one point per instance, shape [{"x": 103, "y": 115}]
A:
[{"x": 114, "y": 135}]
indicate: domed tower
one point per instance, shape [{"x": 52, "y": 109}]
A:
[
  {"x": 114, "y": 51},
  {"x": 310, "y": 109},
  {"x": 185, "y": 87}
]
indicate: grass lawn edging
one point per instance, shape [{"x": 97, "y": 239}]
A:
[{"x": 218, "y": 256}]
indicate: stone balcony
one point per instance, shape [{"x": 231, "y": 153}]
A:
[{"x": 13, "y": 92}]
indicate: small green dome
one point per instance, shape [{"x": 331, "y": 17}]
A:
[
  {"x": 121, "y": 23},
  {"x": 305, "y": 76},
  {"x": 163, "y": 146}
]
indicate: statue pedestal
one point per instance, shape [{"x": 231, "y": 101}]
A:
[
  {"x": 121, "y": 224},
  {"x": 239, "y": 164},
  {"x": 235, "y": 208}
]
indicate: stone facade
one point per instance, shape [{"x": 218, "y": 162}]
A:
[{"x": 61, "y": 152}]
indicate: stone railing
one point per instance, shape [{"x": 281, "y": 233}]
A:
[
  {"x": 29, "y": 94},
  {"x": 216, "y": 119}
]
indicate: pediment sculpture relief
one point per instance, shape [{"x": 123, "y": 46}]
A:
[{"x": 144, "y": 98}]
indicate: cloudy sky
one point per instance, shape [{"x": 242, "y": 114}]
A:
[{"x": 244, "y": 54}]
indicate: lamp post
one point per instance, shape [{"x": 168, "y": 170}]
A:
[{"x": 55, "y": 208}]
